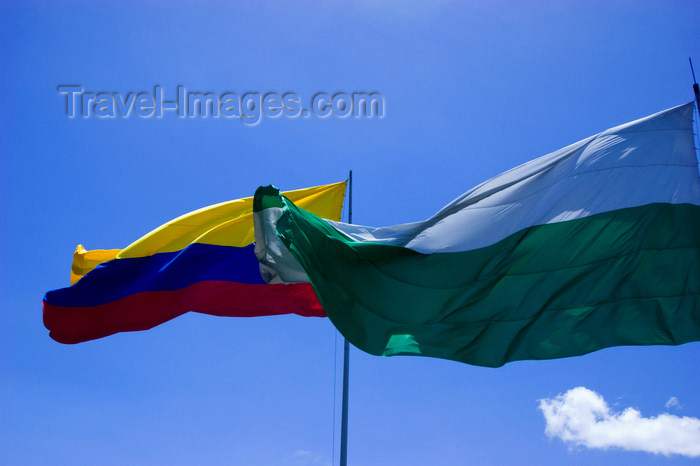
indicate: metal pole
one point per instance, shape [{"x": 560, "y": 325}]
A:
[
  {"x": 346, "y": 366},
  {"x": 344, "y": 421},
  {"x": 350, "y": 194},
  {"x": 696, "y": 89}
]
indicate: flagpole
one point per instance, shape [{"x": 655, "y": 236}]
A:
[
  {"x": 696, "y": 89},
  {"x": 346, "y": 366}
]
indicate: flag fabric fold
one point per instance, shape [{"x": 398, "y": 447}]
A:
[
  {"x": 594, "y": 245},
  {"x": 203, "y": 261}
]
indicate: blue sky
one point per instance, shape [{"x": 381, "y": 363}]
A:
[{"x": 471, "y": 90}]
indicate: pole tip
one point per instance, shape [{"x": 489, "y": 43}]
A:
[{"x": 690, "y": 60}]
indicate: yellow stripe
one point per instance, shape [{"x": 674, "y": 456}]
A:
[
  {"x": 84, "y": 261},
  {"x": 226, "y": 224}
]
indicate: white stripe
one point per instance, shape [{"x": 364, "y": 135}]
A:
[
  {"x": 646, "y": 161},
  {"x": 277, "y": 265}
]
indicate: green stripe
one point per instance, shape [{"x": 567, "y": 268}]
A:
[
  {"x": 265, "y": 197},
  {"x": 626, "y": 277}
]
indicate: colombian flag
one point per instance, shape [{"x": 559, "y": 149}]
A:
[{"x": 203, "y": 261}]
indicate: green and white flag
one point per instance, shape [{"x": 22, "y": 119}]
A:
[{"x": 594, "y": 245}]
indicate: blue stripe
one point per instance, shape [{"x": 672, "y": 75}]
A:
[{"x": 119, "y": 278}]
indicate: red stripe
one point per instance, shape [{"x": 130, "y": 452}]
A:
[{"x": 145, "y": 310}]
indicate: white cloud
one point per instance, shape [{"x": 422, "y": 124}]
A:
[
  {"x": 673, "y": 403},
  {"x": 581, "y": 417}
]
